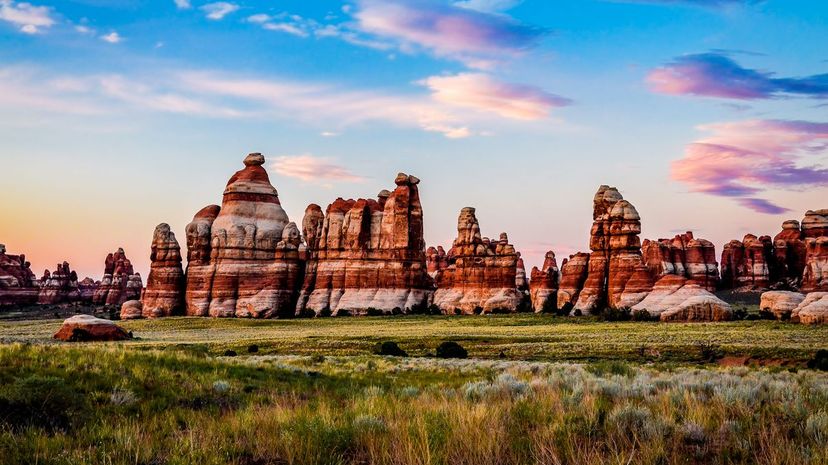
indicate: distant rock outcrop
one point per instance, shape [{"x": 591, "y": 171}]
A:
[
  {"x": 119, "y": 283},
  {"x": 815, "y": 275},
  {"x": 573, "y": 275},
  {"x": 481, "y": 275},
  {"x": 543, "y": 284},
  {"x": 367, "y": 255},
  {"x": 164, "y": 295},
  {"x": 18, "y": 284},
  {"x": 243, "y": 259},
  {"x": 59, "y": 286}
]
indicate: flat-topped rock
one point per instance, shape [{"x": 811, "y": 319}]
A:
[{"x": 780, "y": 303}]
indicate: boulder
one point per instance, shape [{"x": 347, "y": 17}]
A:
[
  {"x": 132, "y": 310},
  {"x": 119, "y": 282},
  {"x": 241, "y": 264},
  {"x": 780, "y": 303},
  {"x": 86, "y": 328},
  {"x": 812, "y": 310},
  {"x": 366, "y": 255},
  {"x": 675, "y": 298},
  {"x": 543, "y": 284},
  {"x": 481, "y": 275},
  {"x": 164, "y": 295}
]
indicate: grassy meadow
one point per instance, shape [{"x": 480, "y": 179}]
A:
[{"x": 535, "y": 390}]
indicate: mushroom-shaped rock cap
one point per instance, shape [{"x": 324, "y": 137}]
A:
[
  {"x": 790, "y": 224},
  {"x": 403, "y": 179},
  {"x": 624, "y": 210},
  {"x": 254, "y": 159}
]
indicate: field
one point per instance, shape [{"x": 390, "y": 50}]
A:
[{"x": 536, "y": 389}]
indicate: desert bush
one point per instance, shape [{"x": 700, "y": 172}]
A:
[
  {"x": 389, "y": 348},
  {"x": 451, "y": 349},
  {"x": 820, "y": 360},
  {"x": 642, "y": 315}
]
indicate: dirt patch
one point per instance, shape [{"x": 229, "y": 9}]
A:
[{"x": 743, "y": 360}]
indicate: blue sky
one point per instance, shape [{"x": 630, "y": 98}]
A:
[{"x": 117, "y": 115}]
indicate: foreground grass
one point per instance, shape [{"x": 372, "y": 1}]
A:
[
  {"x": 117, "y": 405},
  {"x": 517, "y": 337}
]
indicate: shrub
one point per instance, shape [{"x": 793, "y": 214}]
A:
[
  {"x": 708, "y": 350},
  {"x": 230, "y": 353},
  {"x": 820, "y": 360},
  {"x": 642, "y": 315},
  {"x": 369, "y": 424},
  {"x": 616, "y": 314},
  {"x": 451, "y": 349},
  {"x": 816, "y": 427},
  {"x": 610, "y": 367},
  {"x": 252, "y": 349},
  {"x": 41, "y": 401},
  {"x": 389, "y": 348},
  {"x": 221, "y": 386},
  {"x": 692, "y": 433},
  {"x": 634, "y": 420},
  {"x": 317, "y": 359},
  {"x": 374, "y": 312},
  {"x": 122, "y": 397},
  {"x": 550, "y": 306},
  {"x": 478, "y": 310}
]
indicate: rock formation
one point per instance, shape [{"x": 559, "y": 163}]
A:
[
  {"x": 815, "y": 275},
  {"x": 521, "y": 281},
  {"x": 436, "y": 260},
  {"x": 573, "y": 275},
  {"x": 59, "y": 286},
  {"x": 675, "y": 298},
  {"x": 18, "y": 285},
  {"x": 543, "y": 284},
  {"x": 812, "y": 310},
  {"x": 84, "y": 328},
  {"x": 815, "y": 223},
  {"x": 481, "y": 274},
  {"x": 789, "y": 254},
  {"x": 164, "y": 295},
  {"x": 683, "y": 255},
  {"x": 367, "y": 255},
  {"x": 243, "y": 259},
  {"x": 119, "y": 283},
  {"x": 617, "y": 276},
  {"x": 780, "y": 303},
  {"x": 87, "y": 288},
  {"x": 746, "y": 263}
]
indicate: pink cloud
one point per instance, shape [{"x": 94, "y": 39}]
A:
[
  {"x": 312, "y": 169},
  {"x": 742, "y": 159},
  {"x": 473, "y": 37},
  {"x": 717, "y": 75},
  {"x": 482, "y": 92}
]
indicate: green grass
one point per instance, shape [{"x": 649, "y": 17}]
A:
[
  {"x": 126, "y": 406},
  {"x": 517, "y": 337}
]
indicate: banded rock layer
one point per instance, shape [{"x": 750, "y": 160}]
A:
[
  {"x": 119, "y": 283},
  {"x": 243, "y": 257},
  {"x": 367, "y": 255},
  {"x": 164, "y": 295},
  {"x": 481, "y": 275},
  {"x": 18, "y": 284}
]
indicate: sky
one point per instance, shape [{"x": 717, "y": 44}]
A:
[{"x": 117, "y": 115}]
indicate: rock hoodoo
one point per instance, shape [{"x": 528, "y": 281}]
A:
[
  {"x": 59, "y": 286},
  {"x": 436, "y": 260},
  {"x": 617, "y": 276},
  {"x": 367, "y": 255},
  {"x": 746, "y": 263},
  {"x": 573, "y": 275},
  {"x": 18, "y": 284},
  {"x": 543, "y": 284},
  {"x": 243, "y": 259},
  {"x": 481, "y": 274},
  {"x": 164, "y": 295},
  {"x": 119, "y": 283},
  {"x": 683, "y": 255}
]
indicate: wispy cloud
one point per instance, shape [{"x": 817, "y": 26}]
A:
[
  {"x": 29, "y": 18},
  {"x": 182, "y": 4},
  {"x": 703, "y": 3},
  {"x": 717, "y": 75},
  {"x": 489, "y": 6},
  {"x": 482, "y": 92},
  {"x": 742, "y": 159},
  {"x": 476, "y": 38},
  {"x": 113, "y": 38},
  {"x": 313, "y": 169},
  {"x": 218, "y": 10}
]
